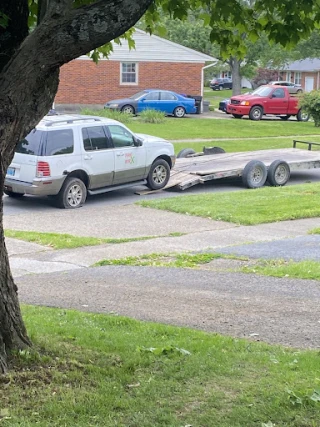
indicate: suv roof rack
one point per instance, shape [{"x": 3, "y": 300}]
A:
[{"x": 70, "y": 121}]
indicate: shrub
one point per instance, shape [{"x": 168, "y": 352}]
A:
[
  {"x": 310, "y": 103},
  {"x": 152, "y": 116},
  {"x": 110, "y": 114}
]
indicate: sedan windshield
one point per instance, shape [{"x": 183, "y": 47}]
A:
[
  {"x": 138, "y": 95},
  {"x": 262, "y": 91}
]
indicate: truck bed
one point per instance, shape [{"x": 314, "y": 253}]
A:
[{"x": 191, "y": 171}]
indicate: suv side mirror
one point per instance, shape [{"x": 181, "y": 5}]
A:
[{"x": 137, "y": 142}]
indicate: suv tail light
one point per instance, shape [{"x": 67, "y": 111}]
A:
[{"x": 43, "y": 169}]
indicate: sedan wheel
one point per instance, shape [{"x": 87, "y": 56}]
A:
[
  {"x": 127, "y": 109},
  {"x": 179, "y": 112}
]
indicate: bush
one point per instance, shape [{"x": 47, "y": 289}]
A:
[
  {"x": 152, "y": 116},
  {"x": 110, "y": 114},
  {"x": 310, "y": 103}
]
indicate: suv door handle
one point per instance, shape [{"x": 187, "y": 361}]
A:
[
  {"x": 120, "y": 154},
  {"x": 87, "y": 157}
]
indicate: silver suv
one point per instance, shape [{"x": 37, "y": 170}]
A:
[{"x": 70, "y": 156}]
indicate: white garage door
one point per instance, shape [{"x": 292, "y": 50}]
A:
[{"x": 309, "y": 84}]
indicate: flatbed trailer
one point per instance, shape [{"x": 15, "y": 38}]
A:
[{"x": 255, "y": 167}]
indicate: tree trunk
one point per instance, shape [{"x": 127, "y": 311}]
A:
[
  {"x": 236, "y": 76},
  {"x": 13, "y": 334}
]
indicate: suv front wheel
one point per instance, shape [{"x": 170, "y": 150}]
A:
[
  {"x": 72, "y": 195},
  {"x": 159, "y": 175}
]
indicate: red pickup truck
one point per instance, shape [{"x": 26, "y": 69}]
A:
[{"x": 267, "y": 99}]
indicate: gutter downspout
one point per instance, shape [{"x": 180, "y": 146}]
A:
[{"x": 202, "y": 80}]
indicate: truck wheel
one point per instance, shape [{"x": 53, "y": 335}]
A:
[
  {"x": 278, "y": 173},
  {"x": 159, "y": 175},
  {"x": 285, "y": 117},
  {"x": 13, "y": 194},
  {"x": 255, "y": 113},
  {"x": 254, "y": 175},
  {"x": 237, "y": 116},
  {"x": 72, "y": 195},
  {"x": 186, "y": 152},
  {"x": 302, "y": 116}
]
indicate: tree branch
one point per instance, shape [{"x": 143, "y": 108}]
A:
[{"x": 67, "y": 34}]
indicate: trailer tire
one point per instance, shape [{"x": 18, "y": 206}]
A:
[
  {"x": 254, "y": 174},
  {"x": 256, "y": 113},
  {"x": 302, "y": 116},
  {"x": 278, "y": 173},
  {"x": 186, "y": 152}
]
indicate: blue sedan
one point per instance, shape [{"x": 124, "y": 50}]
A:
[{"x": 169, "y": 102}]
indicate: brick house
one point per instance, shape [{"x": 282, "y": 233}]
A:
[
  {"x": 154, "y": 63},
  {"x": 305, "y": 72}
]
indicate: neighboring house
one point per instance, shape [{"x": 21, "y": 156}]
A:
[
  {"x": 154, "y": 63},
  {"x": 305, "y": 72}
]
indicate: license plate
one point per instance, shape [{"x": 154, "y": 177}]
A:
[{"x": 11, "y": 171}]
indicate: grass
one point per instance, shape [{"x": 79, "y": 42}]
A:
[
  {"x": 277, "y": 268},
  {"x": 263, "y": 205},
  {"x": 67, "y": 241},
  {"x": 96, "y": 370},
  {"x": 189, "y": 128},
  {"x": 183, "y": 260},
  {"x": 281, "y": 268}
]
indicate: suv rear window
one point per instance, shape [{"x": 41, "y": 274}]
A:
[
  {"x": 31, "y": 143},
  {"x": 58, "y": 142},
  {"x": 42, "y": 143}
]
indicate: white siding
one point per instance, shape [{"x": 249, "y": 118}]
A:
[{"x": 154, "y": 49}]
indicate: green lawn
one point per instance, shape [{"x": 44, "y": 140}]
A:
[
  {"x": 105, "y": 371},
  {"x": 248, "y": 207},
  {"x": 191, "y": 127}
]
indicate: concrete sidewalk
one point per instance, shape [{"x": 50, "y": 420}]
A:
[{"x": 197, "y": 234}]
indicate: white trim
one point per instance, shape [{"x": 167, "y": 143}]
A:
[{"x": 136, "y": 74}]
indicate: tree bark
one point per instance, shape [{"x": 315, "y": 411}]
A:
[
  {"x": 28, "y": 85},
  {"x": 236, "y": 75}
]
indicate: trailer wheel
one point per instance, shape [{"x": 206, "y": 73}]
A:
[
  {"x": 302, "y": 116},
  {"x": 256, "y": 113},
  {"x": 254, "y": 174},
  {"x": 186, "y": 152},
  {"x": 278, "y": 173}
]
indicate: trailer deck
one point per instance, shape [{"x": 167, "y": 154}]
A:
[{"x": 198, "y": 169}]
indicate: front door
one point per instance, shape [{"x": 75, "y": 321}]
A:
[
  {"x": 309, "y": 82},
  {"x": 97, "y": 156},
  {"x": 278, "y": 104},
  {"x": 130, "y": 161},
  {"x": 149, "y": 102}
]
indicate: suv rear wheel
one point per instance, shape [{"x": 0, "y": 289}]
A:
[{"x": 72, "y": 195}]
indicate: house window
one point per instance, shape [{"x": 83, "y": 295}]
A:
[
  {"x": 129, "y": 73},
  {"x": 297, "y": 78},
  {"x": 288, "y": 76}
]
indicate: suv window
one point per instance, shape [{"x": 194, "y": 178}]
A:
[
  {"x": 58, "y": 142},
  {"x": 31, "y": 143},
  {"x": 121, "y": 137},
  {"x": 95, "y": 138}
]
